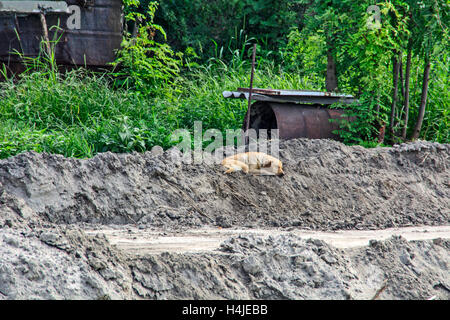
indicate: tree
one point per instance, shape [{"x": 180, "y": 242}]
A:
[
  {"x": 330, "y": 19},
  {"x": 429, "y": 31},
  {"x": 368, "y": 62},
  {"x": 396, "y": 73},
  {"x": 423, "y": 100},
  {"x": 406, "y": 93}
]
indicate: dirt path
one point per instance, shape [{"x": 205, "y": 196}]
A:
[{"x": 141, "y": 242}]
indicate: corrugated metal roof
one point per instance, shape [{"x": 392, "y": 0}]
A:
[{"x": 291, "y": 96}]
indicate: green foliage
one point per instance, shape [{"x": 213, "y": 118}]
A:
[
  {"x": 204, "y": 25},
  {"x": 76, "y": 115},
  {"x": 436, "y": 126},
  {"x": 362, "y": 125},
  {"x": 143, "y": 63},
  {"x": 79, "y": 114},
  {"x": 364, "y": 59},
  {"x": 304, "y": 51}
]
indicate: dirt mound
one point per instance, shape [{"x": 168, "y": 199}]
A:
[
  {"x": 327, "y": 186},
  {"x": 60, "y": 263},
  {"x": 64, "y": 263},
  {"x": 286, "y": 267},
  {"x": 48, "y": 253}
]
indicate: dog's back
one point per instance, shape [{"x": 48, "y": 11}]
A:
[{"x": 254, "y": 162}]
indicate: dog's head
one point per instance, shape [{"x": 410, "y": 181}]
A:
[{"x": 280, "y": 171}]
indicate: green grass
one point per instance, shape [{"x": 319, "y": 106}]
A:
[{"x": 78, "y": 114}]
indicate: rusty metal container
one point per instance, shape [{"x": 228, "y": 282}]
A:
[
  {"x": 296, "y": 120},
  {"x": 90, "y": 32},
  {"x": 296, "y": 114}
]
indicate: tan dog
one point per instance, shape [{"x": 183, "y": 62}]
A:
[{"x": 254, "y": 162}]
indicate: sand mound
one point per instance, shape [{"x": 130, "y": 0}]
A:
[
  {"x": 48, "y": 202},
  {"x": 327, "y": 186}
]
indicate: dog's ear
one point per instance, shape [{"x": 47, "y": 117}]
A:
[{"x": 268, "y": 164}]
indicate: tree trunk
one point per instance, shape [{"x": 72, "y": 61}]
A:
[
  {"x": 396, "y": 73},
  {"x": 423, "y": 100},
  {"x": 407, "y": 80},
  {"x": 402, "y": 83},
  {"x": 331, "y": 81},
  {"x": 401, "y": 97},
  {"x": 382, "y": 132}
]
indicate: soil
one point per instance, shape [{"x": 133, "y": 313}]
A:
[{"x": 343, "y": 223}]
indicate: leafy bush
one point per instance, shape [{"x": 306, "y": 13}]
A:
[
  {"x": 144, "y": 64},
  {"x": 304, "y": 53},
  {"x": 364, "y": 124}
]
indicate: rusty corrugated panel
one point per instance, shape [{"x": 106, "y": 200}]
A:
[
  {"x": 295, "y": 93},
  {"x": 91, "y": 40},
  {"x": 291, "y": 96}
]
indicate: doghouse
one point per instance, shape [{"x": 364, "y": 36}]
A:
[{"x": 295, "y": 113}]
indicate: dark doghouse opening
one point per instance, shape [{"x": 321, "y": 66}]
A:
[{"x": 263, "y": 117}]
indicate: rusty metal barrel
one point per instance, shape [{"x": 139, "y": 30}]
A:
[
  {"x": 296, "y": 114},
  {"x": 89, "y": 31},
  {"x": 296, "y": 120}
]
